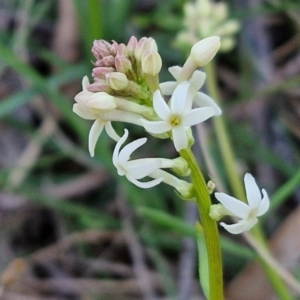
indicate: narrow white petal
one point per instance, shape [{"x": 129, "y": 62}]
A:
[
  {"x": 123, "y": 116},
  {"x": 167, "y": 88},
  {"x": 160, "y": 106},
  {"x": 118, "y": 146},
  {"x": 144, "y": 185},
  {"x": 85, "y": 82},
  {"x": 111, "y": 132},
  {"x": 235, "y": 206},
  {"x": 94, "y": 134},
  {"x": 197, "y": 115},
  {"x": 252, "y": 191},
  {"x": 175, "y": 71},
  {"x": 202, "y": 99},
  {"x": 180, "y": 138},
  {"x": 156, "y": 127},
  {"x": 264, "y": 205},
  {"x": 179, "y": 98},
  {"x": 83, "y": 97},
  {"x": 237, "y": 228},
  {"x": 83, "y": 112},
  {"x": 125, "y": 153},
  {"x": 197, "y": 79},
  {"x": 141, "y": 168}
]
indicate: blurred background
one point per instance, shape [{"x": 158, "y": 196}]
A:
[{"x": 70, "y": 228}]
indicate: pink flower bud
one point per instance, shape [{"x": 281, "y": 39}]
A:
[
  {"x": 114, "y": 48},
  {"x": 99, "y": 72},
  {"x": 99, "y": 86},
  {"x": 140, "y": 48},
  {"x": 107, "y": 61},
  {"x": 122, "y": 50},
  {"x": 132, "y": 43},
  {"x": 100, "y": 49},
  {"x": 123, "y": 64},
  {"x": 144, "y": 45}
]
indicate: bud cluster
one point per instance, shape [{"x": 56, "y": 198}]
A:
[
  {"x": 121, "y": 70},
  {"x": 205, "y": 18}
]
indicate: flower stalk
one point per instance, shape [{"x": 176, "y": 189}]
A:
[{"x": 211, "y": 233}]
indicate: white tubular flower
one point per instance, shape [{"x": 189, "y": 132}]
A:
[
  {"x": 178, "y": 117},
  {"x": 135, "y": 169},
  {"x": 257, "y": 206}
]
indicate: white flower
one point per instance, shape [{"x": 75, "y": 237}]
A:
[
  {"x": 196, "y": 82},
  {"x": 248, "y": 214},
  {"x": 135, "y": 169},
  {"x": 101, "y": 107},
  {"x": 90, "y": 112},
  {"x": 178, "y": 117}
]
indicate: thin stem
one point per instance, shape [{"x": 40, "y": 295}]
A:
[
  {"x": 236, "y": 183},
  {"x": 209, "y": 226}
]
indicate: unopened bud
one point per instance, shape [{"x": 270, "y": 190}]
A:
[
  {"x": 151, "y": 63},
  {"x": 100, "y": 72},
  {"x": 123, "y": 64},
  {"x": 144, "y": 45},
  {"x": 101, "y": 49},
  {"x": 99, "y": 86},
  {"x": 107, "y": 61},
  {"x": 217, "y": 211},
  {"x": 122, "y": 49},
  {"x": 211, "y": 186},
  {"x": 101, "y": 101},
  {"x": 205, "y": 50},
  {"x": 117, "y": 81},
  {"x": 132, "y": 43}
]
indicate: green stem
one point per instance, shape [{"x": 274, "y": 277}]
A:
[
  {"x": 211, "y": 233},
  {"x": 235, "y": 182}
]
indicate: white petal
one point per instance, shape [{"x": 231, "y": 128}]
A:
[
  {"x": 175, "y": 71},
  {"x": 167, "y": 88},
  {"x": 145, "y": 185},
  {"x": 264, "y": 205},
  {"x": 197, "y": 115},
  {"x": 83, "y": 97},
  {"x": 179, "y": 98},
  {"x": 111, "y": 132},
  {"x": 237, "y": 228},
  {"x": 94, "y": 134},
  {"x": 197, "y": 80},
  {"x": 83, "y": 112},
  {"x": 118, "y": 146},
  {"x": 202, "y": 99},
  {"x": 156, "y": 127},
  {"x": 160, "y": 106},
  {"x": 125, "y": 153},
  {"x": 235, "y": 206},
  {"x": 85, "y": 82},
  {"x": 180, "y": 138},
  {"x": 141, "y": 168},
  {"x": 252, "y": 191}
]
